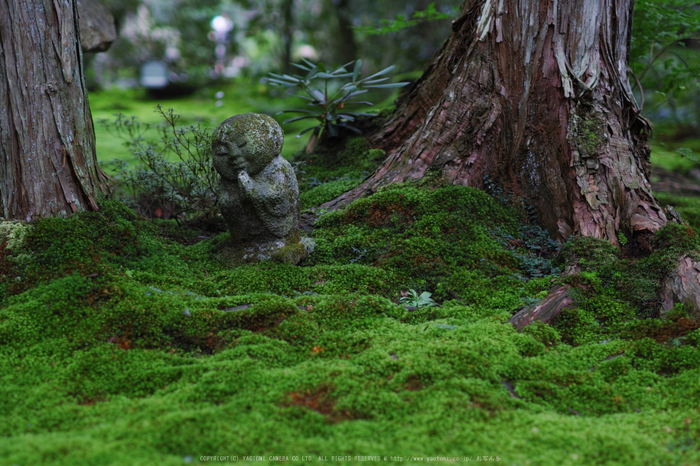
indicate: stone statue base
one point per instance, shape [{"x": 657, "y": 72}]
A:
[{"x": 290, "y": 250}]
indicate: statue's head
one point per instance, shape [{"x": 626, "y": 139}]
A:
[{"x": 247, "y": 142}]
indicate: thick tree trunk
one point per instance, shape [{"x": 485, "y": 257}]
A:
[
  {"x": 534, "y": 95},
  {"x": 47, "y": 139}
]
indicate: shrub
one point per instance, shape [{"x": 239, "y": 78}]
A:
[{"x": 185, "y": 187}]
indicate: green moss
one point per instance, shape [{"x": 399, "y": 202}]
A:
[
  {"x": 589, "y": 253},
  {"x": 587, "y": 133},
  {"x": 333, "y": 170},
  {"x": 326, "y": 192},
  {"x": 636, "y": 281},
  {"x": 144, "y": 351},
  {"x": 88, "y": 242},
  {"x": 681, "y": 239},
  {"x": 543, "y": 333},
  {"x": 439, "y": 240}
]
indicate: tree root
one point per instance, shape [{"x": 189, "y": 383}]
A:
[
  {"x": 682, "y": 286},
  {"x": 545, "y": 310}
]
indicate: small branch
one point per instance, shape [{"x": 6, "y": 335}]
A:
[
  {"x": 638, "y": 84},
  {"x": 656, "y": 57}
]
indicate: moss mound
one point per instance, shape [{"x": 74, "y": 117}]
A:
[{"x": 438, "y": 240}]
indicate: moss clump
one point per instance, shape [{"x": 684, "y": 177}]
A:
[
  {"x": 334, "y": 170},
  {"x": 13, "y": 234},
  {"x": 543, "y": 333},
  {"x": 428, "y": 239},
  {"x": 587, "y": 133},
  {"x": 614, "y": 289},
  {"x": 326, "y": 192},
  {"x": 595, "y": 318},
  {"x": 589, "y": 253},
  {"x": 87, "y": 242},
  {"x": 680, "y": 239}
]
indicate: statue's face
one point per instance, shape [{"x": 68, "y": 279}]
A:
[
  {"x": 247, "y": 143},
  {"x": 231, "y": 157}
]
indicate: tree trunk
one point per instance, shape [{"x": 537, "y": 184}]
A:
[
  {"x": 47, "y": 139},
  {"x": 287, "y": 35},
  {"x": 533, "y": 95},
  {"x": 347, "y": 48}
]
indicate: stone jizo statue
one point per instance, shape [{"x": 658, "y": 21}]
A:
[{"x": 258, "y": 194}]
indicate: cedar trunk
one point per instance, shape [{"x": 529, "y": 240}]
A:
[
  {"x": 47, "y": 139},
  {"x": 534, "y": 95}
]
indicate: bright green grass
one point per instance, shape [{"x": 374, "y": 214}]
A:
[{"x": 243, "y": 96}]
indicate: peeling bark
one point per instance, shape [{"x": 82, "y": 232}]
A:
[
  {"x": 533, "y": 94},
  {"x": 47, "y": 139}
]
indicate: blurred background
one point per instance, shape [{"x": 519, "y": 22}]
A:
[{"x": 210, "y": 59}]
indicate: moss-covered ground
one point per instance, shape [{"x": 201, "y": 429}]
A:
[{"x": 125, "y": 341}]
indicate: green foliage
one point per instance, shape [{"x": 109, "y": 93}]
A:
[
  {"x": 332, "y": 99},
  {"x": 87, "y": 242},
  {"x": 680, "y": 239},
  {"x": 186, "y": 186},
  {"x": 329, "y": 172},
  {"x": 543, "y": 333},
  {"x": 657, "y": 27},
  {"x": 613, "y": 290},
  {"x": 664, "y": 65},
  {"x": 418, "y": 301},
  {"x": 589, "y": 253},
  {"x": 353, "y": 162},
  {"x": 401, "y": 22}
]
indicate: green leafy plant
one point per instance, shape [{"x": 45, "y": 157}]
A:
[
  {"x": 418, "y": 301},
  {"x": 180, "y": 188},
  {"x": 330, "y": 98},
  {"x": 659, "y": 58}
]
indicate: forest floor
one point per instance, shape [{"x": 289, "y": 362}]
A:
[{"x": 125, "y": 340}]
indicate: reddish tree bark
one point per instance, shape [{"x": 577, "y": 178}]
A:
[
  {"x": 533, "y": 94},
  {"x": 47, "y": 139}
]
